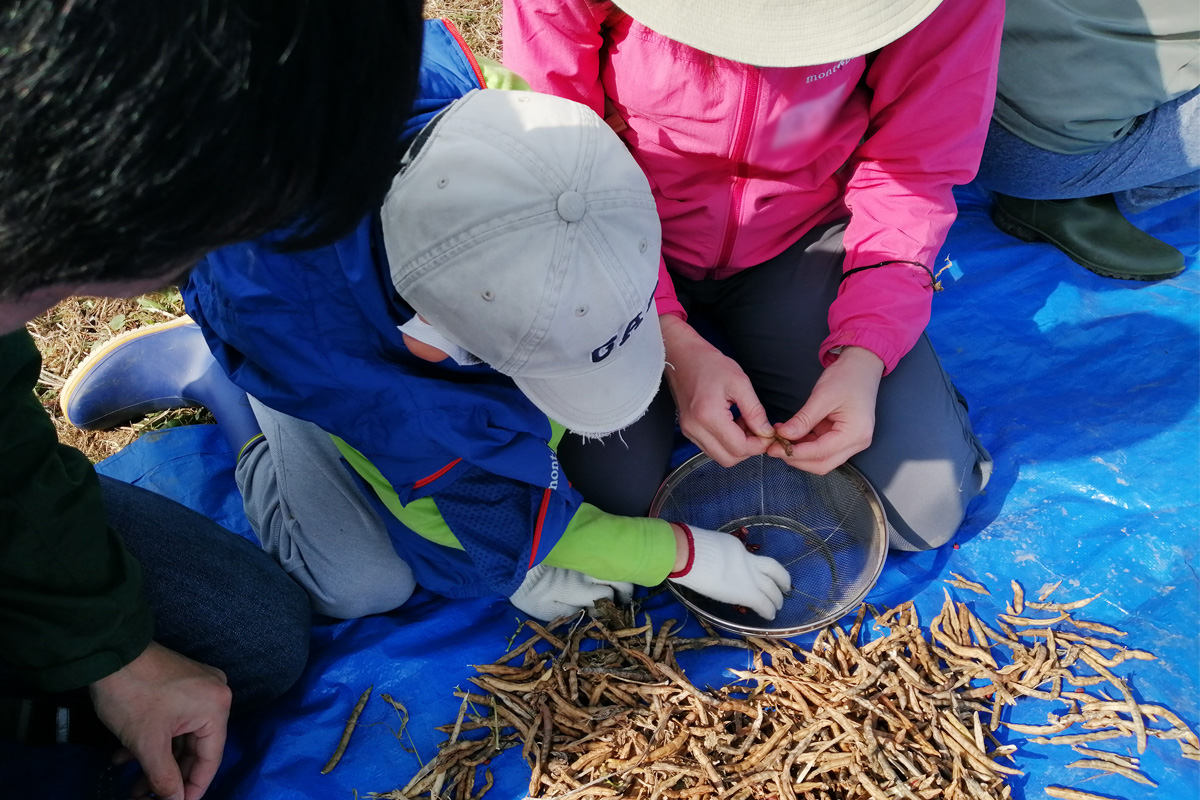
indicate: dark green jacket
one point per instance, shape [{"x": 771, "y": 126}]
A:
[
  {"x": 1075, "y": 75},
  {"x": 71, "y": 604}
]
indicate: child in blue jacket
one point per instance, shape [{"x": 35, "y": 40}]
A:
[{"x": 502, "y": 296}]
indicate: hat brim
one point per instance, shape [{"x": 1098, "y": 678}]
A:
[
  {"x": 611, "y": 397},
  {"x": 782, "y": 33}
]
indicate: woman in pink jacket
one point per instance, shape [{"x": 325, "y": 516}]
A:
[{"x": 802, "y": 154}]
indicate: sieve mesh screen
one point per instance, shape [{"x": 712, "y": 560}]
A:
[{"x": 828, "y": 531}]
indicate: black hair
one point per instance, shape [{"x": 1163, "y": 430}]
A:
[{"x": 138, "y": 134}]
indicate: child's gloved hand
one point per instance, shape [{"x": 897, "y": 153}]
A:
[
  {"x": 721, "y": 568},
  {"x": 551, "y": 592}
]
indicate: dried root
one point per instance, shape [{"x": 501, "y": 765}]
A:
[
  {"x": 350, "y": 725},
  {"x": 601, "y": 708}
]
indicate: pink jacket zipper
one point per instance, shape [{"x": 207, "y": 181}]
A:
[{"x": 741, "y": 142}]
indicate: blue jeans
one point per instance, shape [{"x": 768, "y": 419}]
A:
[
  {"x": 216, "y": 597},
  {"x": 1157, "y": 161}
]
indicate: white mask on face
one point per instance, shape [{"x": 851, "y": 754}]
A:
[{"x": 422, "y": 331}]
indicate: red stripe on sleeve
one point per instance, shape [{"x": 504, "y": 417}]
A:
[
  {"x": 537, "y": 530},
  {"x": 428, "y": 479}
]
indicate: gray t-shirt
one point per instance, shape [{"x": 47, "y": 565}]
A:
[{"x": 1076, "y": 74}]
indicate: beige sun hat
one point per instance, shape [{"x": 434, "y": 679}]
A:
[{"x": 782, "y": 33}]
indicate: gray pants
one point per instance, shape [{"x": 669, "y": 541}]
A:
[
  {"x": 924, "y": 460},
  {"x": 311, "y": 517}
]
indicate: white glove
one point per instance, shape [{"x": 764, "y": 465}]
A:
[
  {"x": 551, "y": 592},
  {"x": 722, "y": 568}
]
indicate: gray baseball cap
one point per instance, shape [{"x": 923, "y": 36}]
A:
[{"x": 521, "y": 228}]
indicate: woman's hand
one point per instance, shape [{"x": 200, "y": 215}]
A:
[
  {"x": 706, "y": 384},
  {"x": 838, "y": 420}
]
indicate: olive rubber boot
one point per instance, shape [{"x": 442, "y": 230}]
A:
[{"x": 1092, "y": 232}]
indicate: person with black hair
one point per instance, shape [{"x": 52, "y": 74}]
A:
[{"x": 138, "y": 136}]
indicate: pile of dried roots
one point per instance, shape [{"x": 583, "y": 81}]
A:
[{"x": 601, "y": 708}]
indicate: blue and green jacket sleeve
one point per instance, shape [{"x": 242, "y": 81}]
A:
[{"x": 632, "y": 549}]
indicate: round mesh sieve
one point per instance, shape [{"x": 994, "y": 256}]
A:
[{"x": 828, "y": 531}]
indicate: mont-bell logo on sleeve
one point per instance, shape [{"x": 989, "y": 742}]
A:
[{"x": 605, "y": 350}]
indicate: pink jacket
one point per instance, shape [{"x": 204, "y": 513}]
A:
[{"x": 744, "y": 160}]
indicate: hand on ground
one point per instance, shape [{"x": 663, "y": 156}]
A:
[{"x": 170, "y": 713}]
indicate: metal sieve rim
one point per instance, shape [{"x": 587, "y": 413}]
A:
[{"x": 857, "y": 480}]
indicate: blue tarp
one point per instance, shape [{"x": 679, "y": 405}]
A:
[{"x": 1084, "y": 389}]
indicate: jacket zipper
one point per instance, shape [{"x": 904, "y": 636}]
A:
[
  {"x": 740, "y": 145},
  {"x": 466, "y": 51}
]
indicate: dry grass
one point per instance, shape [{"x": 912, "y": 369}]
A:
[
  {"x": 68, "y": 332},
  {"x": 477, "y": 20}
]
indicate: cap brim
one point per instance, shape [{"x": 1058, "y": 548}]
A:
[{"x": 611, "y": 397}]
